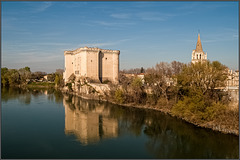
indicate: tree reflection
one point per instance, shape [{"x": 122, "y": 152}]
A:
[
  {"x": 168, "y": 137},
  {"x": 24, "y": 95}
]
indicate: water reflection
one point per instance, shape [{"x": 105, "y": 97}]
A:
[
  {"x": 167, "y": 137},
  {"x": 160, "y": 135},
  {"x": 25, "y": 95},
  {"x": 87, "y": 121}
]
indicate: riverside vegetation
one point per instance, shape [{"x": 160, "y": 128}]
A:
[
  {"x": 192, "y": 92},
  {"x": 25, "y": 78}
]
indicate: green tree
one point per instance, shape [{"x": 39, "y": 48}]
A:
[
  {"x": 119, "y": 96},
  {"x": 59, "y": 79},
  {"x": 137, "y": 90},
  {"x": 204, "y": 77},
  {"x": 25, "y": 73},
  {"x": 13, "y": 77},
  {"x": 4, "y": 78},
  {"x": 199, "y": 89}
]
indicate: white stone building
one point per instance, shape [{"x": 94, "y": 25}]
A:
[{"x": 95, "y": 63}]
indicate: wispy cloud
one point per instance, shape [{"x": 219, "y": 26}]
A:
[
  {"x": 120, "y": 15},
  {"x": 43, "y": 6},
  {"x": 213, "y": 38},
  {"x": 104, "y": 44},
  {"x": 145, "y": 16},
  {"x": 98, "y": 44},
  {"x": 235, "y": 36},
  {"x": 154, "y": 16},
  {"x": 74, "y": 4},
  {"x": 200, "y": 6},
  {"x": 115, "y": 24},
  {"x": 16, "y": 45}
]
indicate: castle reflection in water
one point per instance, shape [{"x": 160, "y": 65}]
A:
[{"x": 89, "y": 122}]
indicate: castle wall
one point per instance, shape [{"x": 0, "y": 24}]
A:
[
  {"x": 107, "y": 66},
  {"x": 83, "y": 63},
  {"x": 68, "y": 66},
  {"x": 95, "y": 63},
  {"x": 115, "y": 67},
  {"x": 92, "y": 64}
]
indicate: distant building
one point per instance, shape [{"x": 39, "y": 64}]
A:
[
  {"x": 95, "y": 63},
  {"x": 233, "y": 79},
  {"x": 46, "y": 77},
  {"x": 197, "y": 54},
  {"x": 141, "y": 76}
]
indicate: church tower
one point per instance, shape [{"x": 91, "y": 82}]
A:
[{"x": 197, "y": 54}]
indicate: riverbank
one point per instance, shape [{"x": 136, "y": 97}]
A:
[
  {"x": 213, "y": 125},
  {"x": 40, "y": 85}
]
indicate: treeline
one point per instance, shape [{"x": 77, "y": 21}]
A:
[
  {"x": 24, "y": 76},
  {"x": 157, "y": 85},
  {"x": 193, "y": 92},
  {"x": 133, "y": 70}
]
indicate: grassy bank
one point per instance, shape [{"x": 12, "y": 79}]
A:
[{"x": 41, "y": 85}]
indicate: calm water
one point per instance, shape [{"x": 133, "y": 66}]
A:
[{"x": 47, "y": 124}]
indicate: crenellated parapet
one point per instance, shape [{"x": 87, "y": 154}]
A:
[{"x": 91, "y": 49}]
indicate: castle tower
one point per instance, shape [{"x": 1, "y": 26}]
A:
[
  {"x": 94, "y": 63},
  {"x": 197, "y": 54}
]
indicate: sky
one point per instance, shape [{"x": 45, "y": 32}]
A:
[{"x": 36, "y": 34}]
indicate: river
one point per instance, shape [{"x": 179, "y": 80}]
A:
[{"x": 47, "y": 124}]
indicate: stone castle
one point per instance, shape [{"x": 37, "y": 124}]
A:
[
  {"x": 94, "y": 63},
  {"x": 197, "y": 54}
]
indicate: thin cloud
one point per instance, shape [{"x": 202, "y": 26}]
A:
[
  {"x": 120, "y": 15},
  {"x": 235, "y": 36},
  {"x": 104, "y": 23},
  {"x": 98, "y": 44},
  {"x": 103, "y": 44},
  {"x": 154, "y": 16},
  {"x": 35, "y": 44},
  {"x": 145, "y": 16},
  {"x": 73, "y": 4},
  {"x": 42, "y": 7}
]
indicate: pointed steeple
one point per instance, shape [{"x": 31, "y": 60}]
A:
[{"x": 199, "y": 45}]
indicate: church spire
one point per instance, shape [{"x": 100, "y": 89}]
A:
[{"x": 199, "y": 45}]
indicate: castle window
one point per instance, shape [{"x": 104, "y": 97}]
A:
[
  {"x": 106, "y": 58},
  {"x": 200, "y": 56},
  {"x": 91, "y": 60},
  {"x": 197, "y": 56}
]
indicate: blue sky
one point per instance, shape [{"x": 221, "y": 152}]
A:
[{"x": 35, "y": 34}]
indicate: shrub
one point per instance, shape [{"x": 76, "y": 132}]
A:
[
  {"x": 195, "y": 109},
  {"x": 106, "y": 81},
  {"x": 69, "y": 86},
  {"x": 119, "y": 96}
]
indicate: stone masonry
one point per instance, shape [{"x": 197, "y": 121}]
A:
[{"x": 95, "y": 63}]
